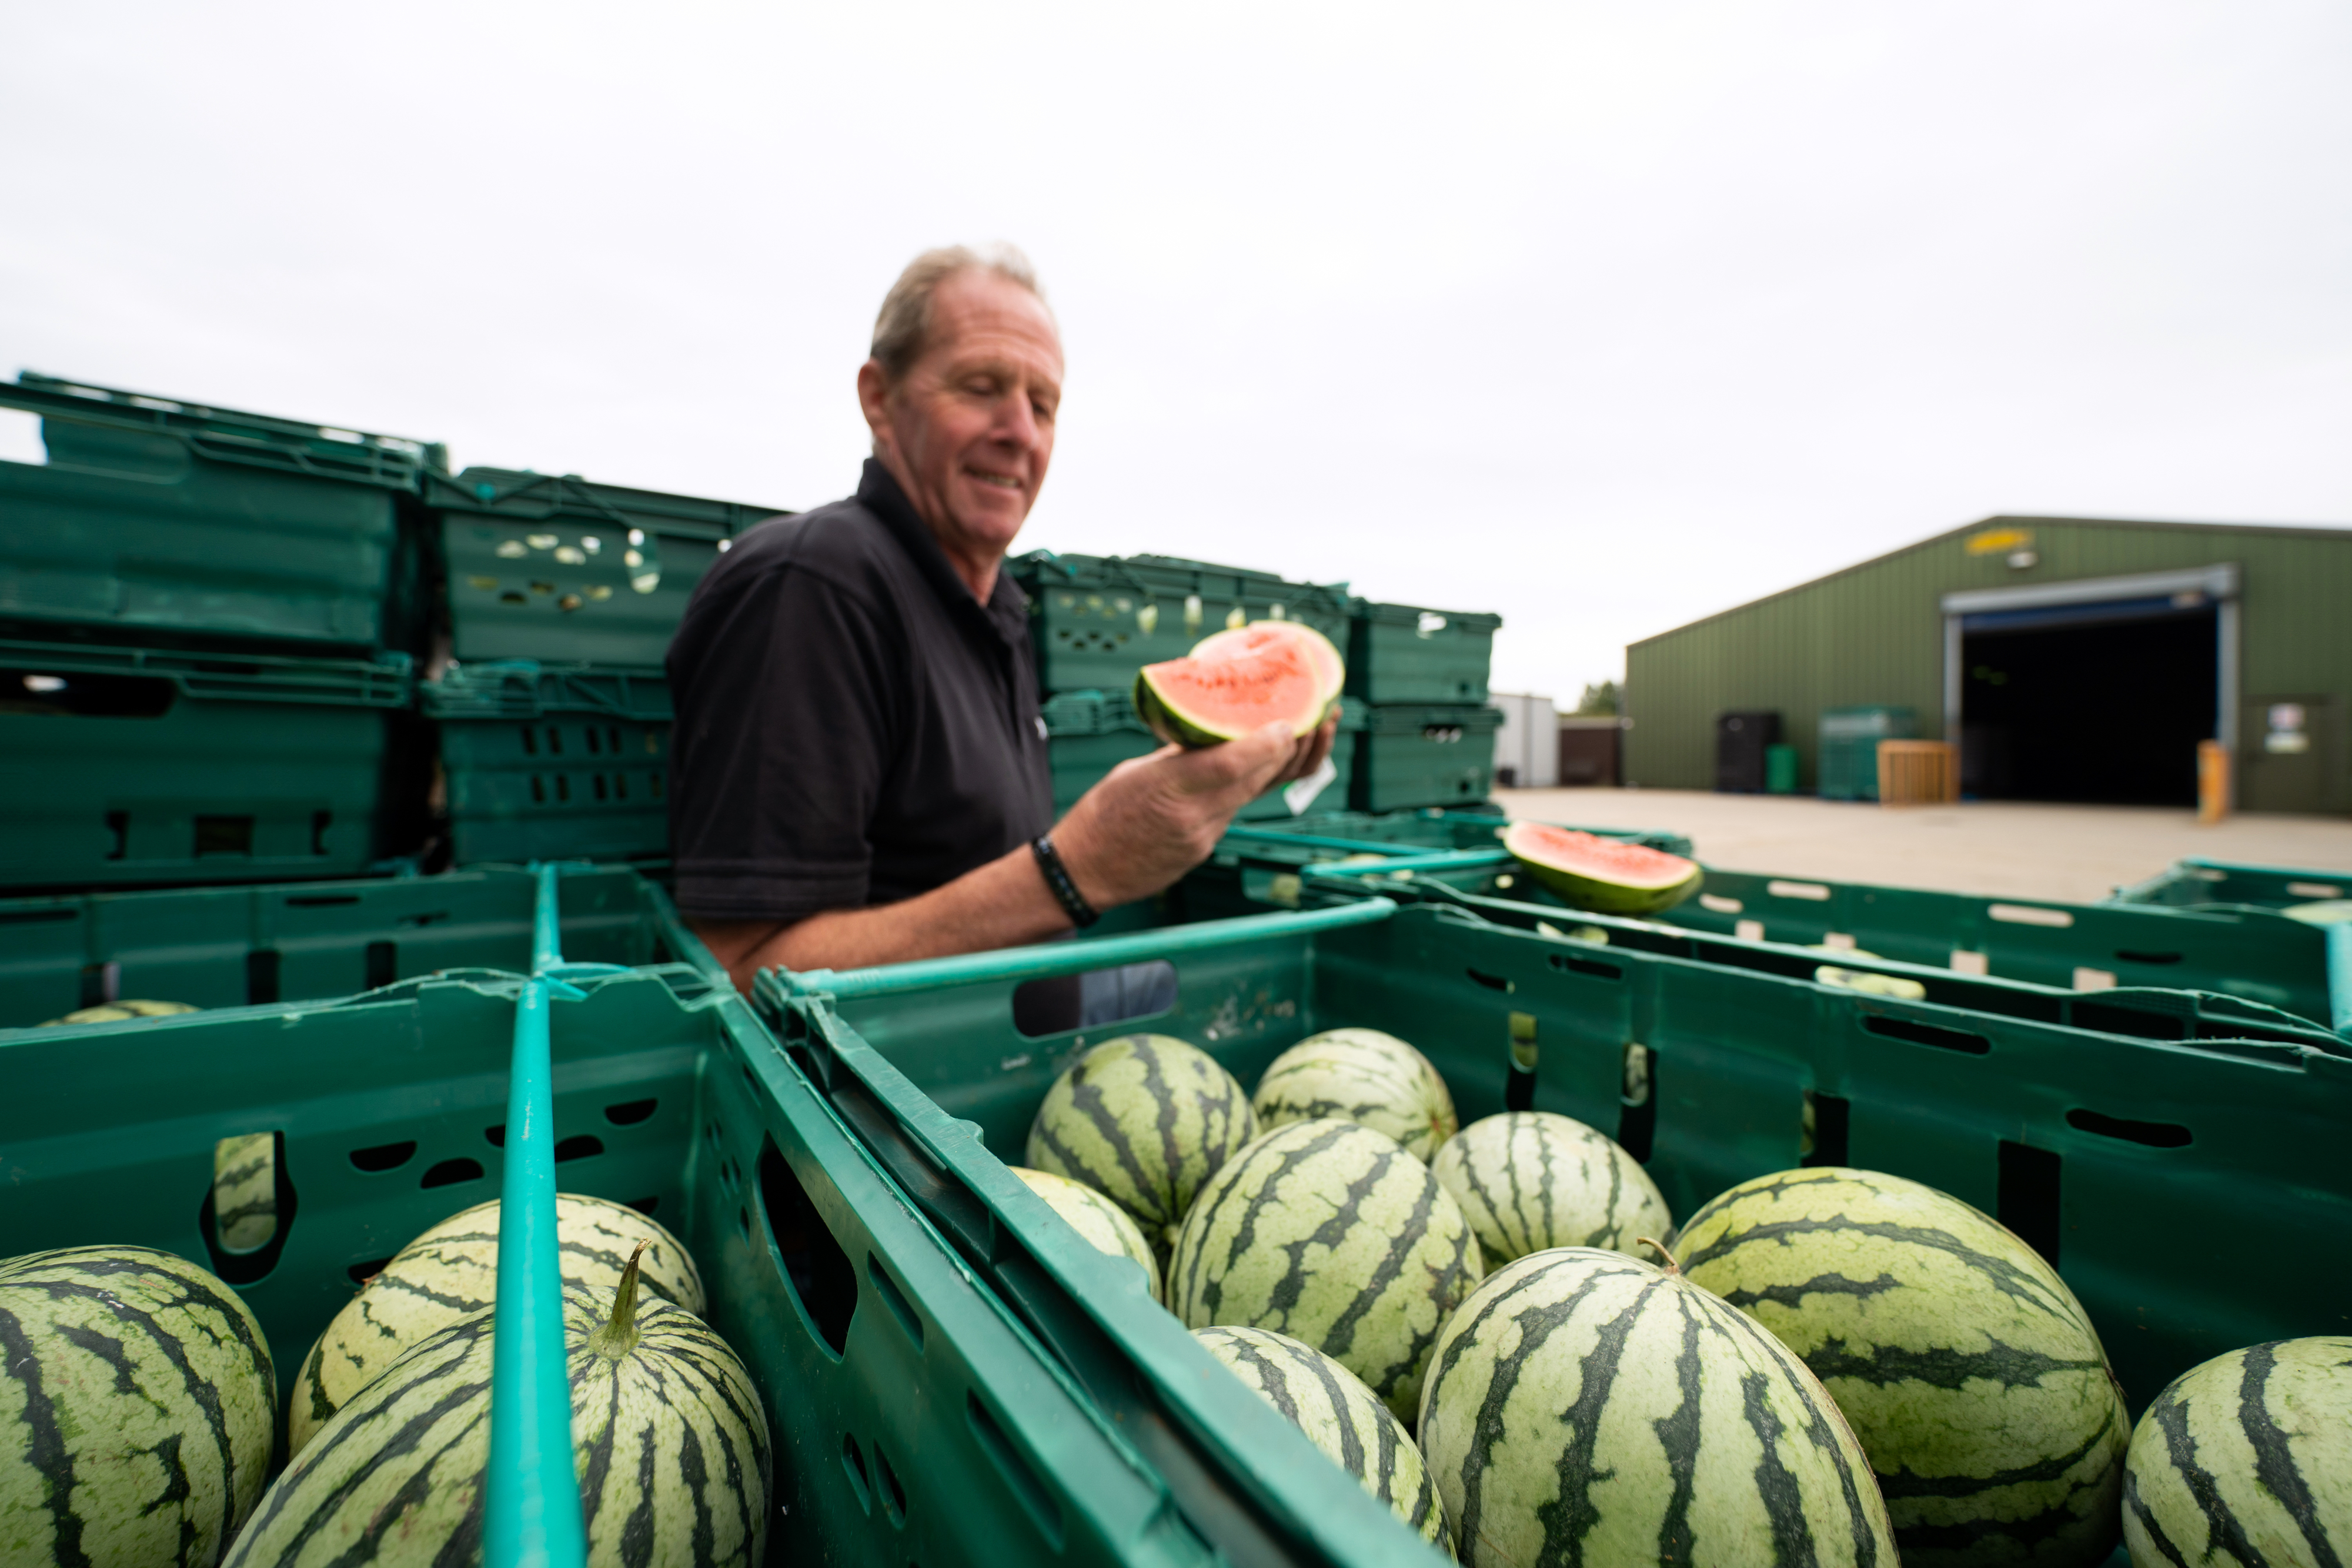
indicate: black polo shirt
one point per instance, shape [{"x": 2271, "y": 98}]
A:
[{"x": 853, "y": 727}]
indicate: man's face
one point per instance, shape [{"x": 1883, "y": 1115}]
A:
[{"x": 968, "y": 429}]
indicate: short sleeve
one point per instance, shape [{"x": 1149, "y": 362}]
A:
[{"x": 785, "y": 696}]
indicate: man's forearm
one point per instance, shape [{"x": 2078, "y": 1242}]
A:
[{"x": 1004, "y": 903}]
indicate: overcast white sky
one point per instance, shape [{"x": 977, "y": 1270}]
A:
[{"x": 1604, "y": 317}]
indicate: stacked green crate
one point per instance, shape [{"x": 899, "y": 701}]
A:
[
  {"x": 554, "y": 714},
  {"x": 1097, "y": 620},
  {"x": 1429, "y": 736},
  {"x": 1848, "y": 769},
  {"x": 208, "y": 620}
]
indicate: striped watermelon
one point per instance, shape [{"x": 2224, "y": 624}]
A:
[
  {"x": 670, "y": 1440},
  {"x": 244, "y": 1191},
  {"x": 1358, "y": 1075},
  {"x": 140, "y": 1400},
  {"x": 1143, "y": 1120},
  {"x": 1339, "y": 1415},
  {"x": 2246, "y": 1460},
  {"x": 1969, "y": 1370},
  {"x": 1528, "y": 1181},
  {"x": 452, "y": 1269},
  {"x": 1103, "y": 1224},
  {"x": 1330, "y": 1233},
  {"x": 1584, "y": 1407}
]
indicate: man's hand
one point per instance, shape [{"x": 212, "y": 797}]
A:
[{"x": 1154, "y": 817}]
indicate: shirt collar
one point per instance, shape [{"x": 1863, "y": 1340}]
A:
[{"x": 1006, "y": 615}]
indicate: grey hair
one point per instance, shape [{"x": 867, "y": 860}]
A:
[{"x": 904, "y": 325}]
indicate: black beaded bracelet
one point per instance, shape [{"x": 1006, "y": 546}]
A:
[{"x": 1057, "y": 877}]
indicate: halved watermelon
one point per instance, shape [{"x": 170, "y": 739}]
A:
[
  {"x": 1260, "y": 634},
  {"x": 1203, "y": 701},
  {"x": 1604, "y": 875}
]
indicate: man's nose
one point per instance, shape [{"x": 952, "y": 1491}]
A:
[{"x": 1016, "y": 423}]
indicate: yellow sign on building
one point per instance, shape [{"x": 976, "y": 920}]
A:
[{"x": 1997, "y": 541}]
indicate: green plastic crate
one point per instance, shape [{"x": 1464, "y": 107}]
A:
[
  {"x": 558, "y": 762},
  {"x": 1404, "y": 653},
  {"x": 1097, "y": 620},
  {"x": 915, "y": 1415},
  {"x": 1848, "y": 765},
  {"x": 123, "y": 766},
  {"x": 2243, "y": 951},
  {"x": 1090, "y": 733},
  {"x": 2149, "y": 1172},
  {"x": 2196, "y": 884},
  {"x": 157, "y": 516},
  {"x": 297, "y": 942},
  {"x": 1424, "y": 756},
  {"x": 553, "y": 568}
]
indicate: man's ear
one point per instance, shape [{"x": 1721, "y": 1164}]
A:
[{"x": 873, "y": 399}]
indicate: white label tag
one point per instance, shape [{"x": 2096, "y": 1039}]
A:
[{"x": 1300, "y": 794}]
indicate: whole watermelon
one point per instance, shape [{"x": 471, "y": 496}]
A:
[
  {"x": 1333, "y": 1234},
  {"x": 1103, "y": 1224},
  {"x": 1972, "y": 1374},
  {"x": 1528, "y": 1181},
  {"x": 669, "y": 1437},
  {"x": 139, "y": 1399},
  {"x": 452, "y": 1269},
  {"x": 2247, "y": 1459},
  {"x": 1586, "y": 1407},
  {"x": 1339, "y": 1415},
  {"x": 1358, "y": 1075},
  {"x": 1144, "y": 1120}
]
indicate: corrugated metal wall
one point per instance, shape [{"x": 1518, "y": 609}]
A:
[{"x": 1875, "y": 634}]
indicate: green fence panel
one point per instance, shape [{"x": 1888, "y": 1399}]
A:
[
  {"x": 2150, "y": 1172},
  {"x": 915, "y": 1417},
  {"x": 1424, "y": 756},
  {"x": 152, "y": 514},
  {"x": 554, "y": 762},
  {"x": 1098, "y": 618},
  {"x": 303, "y": 942},
  {"x": 145, "y": 765},
  {"x": 553, "y": 568},
  {"x": 1403, "y": 653}
]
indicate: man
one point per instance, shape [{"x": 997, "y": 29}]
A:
[{"x": 859, "y": 771}]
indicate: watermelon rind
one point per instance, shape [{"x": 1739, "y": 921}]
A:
[
  {"x": 1360, "y": 1076},
  {"x": 1339, "y": 1415},
  {"x": 670, "y": 1437},
  {"x": 2255, "y": 1447},
  {"x": 1105, "y": 1226},
  {"x": 140, "y": 1403},
  {"x": 1529, "y": 1181},
  {"x": 1333, "y": 1234},
  {"x": 1585, "y": 882},
  {"x": 1969, "y": 1370},
  {"x": 1144, "y": 1120},
  {"x": 452, "y": 1269},
  {"x": 1584, "y": 1406}
]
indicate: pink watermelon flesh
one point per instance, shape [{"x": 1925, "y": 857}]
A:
[
  {"x": 1604, "y": 874},
  {"x": 1262, "y": 634},
  {"x": 1201, "y": 702}
]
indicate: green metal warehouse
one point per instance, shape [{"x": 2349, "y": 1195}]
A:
[{"x": 2070, "y": 659}]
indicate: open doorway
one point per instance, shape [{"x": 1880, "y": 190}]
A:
[{"x": 2100, "y": 703}]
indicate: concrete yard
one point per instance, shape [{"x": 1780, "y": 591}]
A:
[{"x": 2075, "y": 853}]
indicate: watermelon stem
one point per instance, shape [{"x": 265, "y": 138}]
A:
[
  {"x": 1659, "y": 1248},
  {"x": 618, "y": 1336}
]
